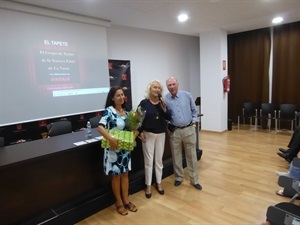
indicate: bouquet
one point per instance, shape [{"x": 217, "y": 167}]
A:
[{"x": 135, "y": 119}]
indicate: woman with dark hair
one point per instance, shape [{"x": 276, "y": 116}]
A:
[{"x": 117, "y": 162}]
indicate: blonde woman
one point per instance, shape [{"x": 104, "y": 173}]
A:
[{"x": 153, "y": 133}]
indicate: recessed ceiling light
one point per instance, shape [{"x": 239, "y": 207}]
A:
[
  {"x": 277, "y": 20},
  {"x": 182, "y": 17}
]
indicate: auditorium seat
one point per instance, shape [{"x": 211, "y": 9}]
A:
[
  {"x": 59, "y": 127},
  {"x": 287, "y": 213},
  {"x": 2, "y": 142},
  {"x": 95, "y": 121}
]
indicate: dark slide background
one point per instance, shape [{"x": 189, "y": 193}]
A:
[
  {"x": 120, "y": 75},
  {"x": 42, "y": 57}
]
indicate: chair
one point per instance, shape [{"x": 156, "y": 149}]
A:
[
  {"x": 267, "y": 113},
  {"x": 59, "y": 127},
  {"x": 287, "y": 213},
  {"x": 249, "y": 111},
  {"x": 287, "y": 112},
  {"x": 284, "y": 213},
  {"x": 198, "y": 103},
  {"x": 2, "y": 143},
  {"x": 95, "y": 121}
]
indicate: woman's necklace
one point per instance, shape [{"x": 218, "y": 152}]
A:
[{"x": 155, "y": 109}]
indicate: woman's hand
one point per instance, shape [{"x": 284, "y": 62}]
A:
[
  {"x": 142, "y": 137},
  {"x": 113, "y": 142},
  {"x": 136, "y": 134}
]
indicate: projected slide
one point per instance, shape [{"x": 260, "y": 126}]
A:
[
  {"x": 50, "y": 67},
  {"x": 58, "y": 66},
  {"x": 57, "y": 63}
]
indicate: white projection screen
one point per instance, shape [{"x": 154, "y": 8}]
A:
[{"x": 50, "y": 66}]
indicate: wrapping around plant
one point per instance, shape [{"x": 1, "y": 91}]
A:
[{"x": 135, "y": 119}]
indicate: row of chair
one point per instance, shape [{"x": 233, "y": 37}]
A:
[
  {"x": 65, "y": 126},
  {"x": 287, "y": 213},
  {"x": 268, "y": 112},
  {"x": 60, "y": 127},
  {"x": 1, "y": 141}
]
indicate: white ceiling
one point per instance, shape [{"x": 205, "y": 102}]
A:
[{"x": 230, "y": 15}]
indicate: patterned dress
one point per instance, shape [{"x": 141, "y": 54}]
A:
[{"x": 115, "y": 161}]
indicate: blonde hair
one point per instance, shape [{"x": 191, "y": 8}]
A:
[{"x": 147, "y": 92}]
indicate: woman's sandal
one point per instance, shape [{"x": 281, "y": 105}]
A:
[
  {"x": 121, "y": 210},
  {"x": 131, "y": 207}
]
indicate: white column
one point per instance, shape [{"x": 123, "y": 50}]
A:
[{"x": 214, "y": 102}]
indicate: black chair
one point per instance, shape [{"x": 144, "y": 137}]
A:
[
  {"x": 198, "y": 103},
  {"x": 2, "y": 143},
  {"x": 267, "y": 113},
  {"x": 249, "y": 111},
  {"x": 287, "y": 213},
  {"x": 287, "y": 112},
  {"x": 283, "y": 213},
  {"x": 59, "y": 127},
  {"x": 95, "y": 121}
]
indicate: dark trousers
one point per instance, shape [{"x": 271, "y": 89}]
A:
[{"x": 294, "y": 145}]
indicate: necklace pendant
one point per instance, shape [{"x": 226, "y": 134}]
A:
[{"x": 157, "y": 117}]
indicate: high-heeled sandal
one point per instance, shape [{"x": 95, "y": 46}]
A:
[
  {"x": 131, "y": 207},
  {"x": 121, "y": 210}
]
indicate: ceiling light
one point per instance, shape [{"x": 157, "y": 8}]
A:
[
  {"x": 277, "y": 20},
  {"x": 182, "y": 17}
]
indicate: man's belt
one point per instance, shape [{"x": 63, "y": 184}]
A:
[{"x": 190, "y": 124}]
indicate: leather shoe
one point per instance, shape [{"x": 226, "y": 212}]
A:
[
  {"x": 289, "y": 160},
  {"x": 283, "y": 155},
  {"x": 286, "y": 156},
  {"x": 198, "y": 186},
  {"x": 283, "y": 150},
  {"x": 177, "y": 183}
]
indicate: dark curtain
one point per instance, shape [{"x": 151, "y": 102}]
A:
[
  {"x": 286, "y": 64},
  {"x": 248, "y": 68}
]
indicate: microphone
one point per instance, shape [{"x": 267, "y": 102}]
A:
[
  {"x": 159, "y": 97},
  {"x": 161, "y": 100}
]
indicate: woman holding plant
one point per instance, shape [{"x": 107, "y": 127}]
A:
[
  {"x": 117, "y": 162},
  {"x": 153, "y": 133}
]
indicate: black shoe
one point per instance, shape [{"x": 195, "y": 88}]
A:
[
  {"x": 198, "y": 186},
  {"x": 283, "y": 150},
  {"x": 148, "y": 195},
  {"x": 284, "y": 155},
  {"x": 161, "y": 192},
  {"x": 177, "y": 183},
  {"x": 289, "y": 160}
]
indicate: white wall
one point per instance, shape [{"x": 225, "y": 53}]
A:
[
  {"x": 213, "y": 99},
  {"x": 156, "y": 55}
]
